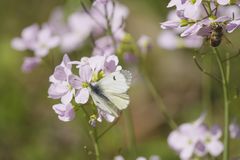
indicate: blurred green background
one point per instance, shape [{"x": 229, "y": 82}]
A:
[{"x": 30, "y": 129}]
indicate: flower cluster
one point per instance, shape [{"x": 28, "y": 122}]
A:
[
  {"x": 153, "y": 157},
  {"x": 69, "y": 35},
  {"x": 194, "y": 140},
  {"x": 177, "y": 42},
  {"x": 38, "y": 40},
  {"x": 203, "y": 18},
  {"x": 103, "y": 23},
  {"x": 74, "y": 89}
]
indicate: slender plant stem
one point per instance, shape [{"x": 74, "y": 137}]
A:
[
  {"x": 93, "y": 135},
  {"x": 132, "y": 138},
  {"x": 228, "y": 68},
  {"x": 226, "y": 104},
  {"x": 206, "y": 89},
  {"x": 156, "y": 96},
  {"x": 108, "y": 129},
  {"x": 109, "y": 27}
]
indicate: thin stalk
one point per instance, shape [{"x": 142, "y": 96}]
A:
[
  {"x": 204, "y": 71},
  {"x": 108, "y": 129},
  {"x": 109, "y": 27},
  {"x": 228, "y": 68},
  {"x": 226, "y": 104},
  {"x": 130, "y": 128},
  {"x": 206, "y": 89},
  {"x": 156, "y": 96},
  {"x": 93, "y": 135}
]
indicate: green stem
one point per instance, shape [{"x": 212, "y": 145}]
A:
[
  {"x": 93, "y": 134},
  {"x": 132, "y": 138},
  {"x": 226, "y": 104},
  {"x": 108, "y": 129},
  {"x": 206, "y": 89},
  {"x": 228, "y": 67},
  {"x": 156, "y": 96}
]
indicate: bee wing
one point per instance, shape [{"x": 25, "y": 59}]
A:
[{"x": 229, "y": 43}]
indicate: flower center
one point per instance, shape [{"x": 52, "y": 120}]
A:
[
  {"x": 97, "y": 76},
  {"x": 208, "y": 139},
  {"x": 193, "y": 1},
  {"x": 85, "y": 85}
]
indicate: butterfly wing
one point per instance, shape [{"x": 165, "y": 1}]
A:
[
  {"x": 121, "y": 101},
  {"x": 114, "y": 86},
  {"x": 104, "y": 104},
  {"x": 116, "y": 82}
]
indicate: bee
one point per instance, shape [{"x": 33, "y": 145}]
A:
[{"x": 216, "y": 34}]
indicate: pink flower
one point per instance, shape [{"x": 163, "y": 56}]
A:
[
  {"x": 203, "y": 27},
  {"x": 40, "y": 41},
  {"x": 60, "y": 87},
  {"x": 104, "y": 46},
  {"x": 65, "y": 112},
  {"x": 89, "y": 71},
  {"x": 212, "y": 141},
  {"x": 30, "y": 63},
  {"x": 168, "y": 36},
  {"x": 177, "y": 42},
  {"x": 191, "y": 9},
  {"x": 80, "y": 27},
  {"x": 27, "y": 39},
  {"x": 234, "y": 129},
  {"x": 45, "y": 41},
  {"x": 223, "y": 2},
  {"x": 116, "y": 13},
  {"x": 195, "y": 139},
  {"x": 81, "y": 83}
]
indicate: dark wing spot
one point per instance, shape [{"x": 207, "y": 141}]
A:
[
  {"x": 114, "y": 78},
  {"x": 97, "y": 102}
]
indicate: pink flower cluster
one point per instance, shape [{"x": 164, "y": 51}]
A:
[
  {"x": 197, "y": 18},
  {"x": 71, "y": 34},
  {"x": 172, "y": 36},
  {"x": 74, "y": 89},
  {"x": 39, "y": 41},
  {"x": 194, "y": 140}
]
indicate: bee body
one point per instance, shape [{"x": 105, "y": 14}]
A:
[{"x": 216, "y": 35}]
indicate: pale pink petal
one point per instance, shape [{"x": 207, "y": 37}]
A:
[
  {"x": 30, "y": 63},
  {"x": 67, "y": 98},
  {"x": 187, "y": 153},
  {"x": 18, "y": 44},
  {"x": 215, "y": 148},
  {"x": 85, "y": 73},
  {"x": 82, "y": 96}
]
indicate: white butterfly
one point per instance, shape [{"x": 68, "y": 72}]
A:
[{"x": 110, "y": 93}]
